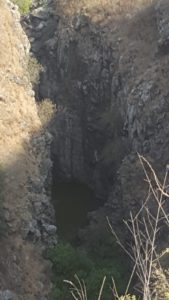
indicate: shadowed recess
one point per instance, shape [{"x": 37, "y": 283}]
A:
[{"x": 72, "y": 202}]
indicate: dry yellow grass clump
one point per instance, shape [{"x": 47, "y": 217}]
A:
[{"x": 116, "y": 8}]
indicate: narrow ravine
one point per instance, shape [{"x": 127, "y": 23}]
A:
[
  {"x": 77, "y": 104},
  {"x": 104, "y": 67}
]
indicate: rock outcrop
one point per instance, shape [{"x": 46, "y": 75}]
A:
[
  {"x": 26, "y": 213},
  {"x": 78, "y": 66},
  {"x": 106, "y": 68}
]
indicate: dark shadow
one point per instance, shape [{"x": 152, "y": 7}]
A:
[{"x": 72, "y": 202}]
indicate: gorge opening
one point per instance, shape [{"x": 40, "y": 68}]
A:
[{"x": 72, "y": 201}]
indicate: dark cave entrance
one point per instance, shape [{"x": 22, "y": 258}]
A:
[{"x": 72, "y": 201}]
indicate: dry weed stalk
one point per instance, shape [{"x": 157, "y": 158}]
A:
[
  {"x": 144, "y": 228},
  {"x": 78, "y": 291}
]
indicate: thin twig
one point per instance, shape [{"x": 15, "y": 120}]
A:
[{"x": 101, "y": 289}]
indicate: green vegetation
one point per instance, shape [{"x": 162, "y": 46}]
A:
[
  {"x": 99, "y": 259},
  {"x": 24, "y": 5},
  {"x": 87, "y": 272}
]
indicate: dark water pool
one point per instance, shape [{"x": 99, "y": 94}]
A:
[{"x": 72, "y": 202}]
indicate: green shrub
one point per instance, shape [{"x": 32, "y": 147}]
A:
[
  {"x": 66, "y": 262},
  {"x": 91, "y": 267},
  {"x": 106, "y": 253},
  {"x": 24, "y": 5}
]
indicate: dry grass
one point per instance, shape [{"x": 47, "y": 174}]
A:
[
  {"x": 18, "y": 109},
  {"x": 34, "y": 70},
  {"x": 78, "y": 289},
  {"x": 46, "y": 110},
  {"x": 114, "y": 8},
  {"x": 18, "y": 121}
]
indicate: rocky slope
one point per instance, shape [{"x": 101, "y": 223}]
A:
[
  {"x": 106, "y": 66},
  {"x": 26, "y": 213}
]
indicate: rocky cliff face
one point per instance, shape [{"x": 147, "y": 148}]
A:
[
  {"x": 106, "y": 67},
  {"x": 78, "y": 63},
  {"x": 24, "y": 166}
]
